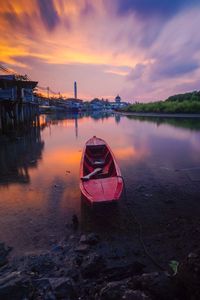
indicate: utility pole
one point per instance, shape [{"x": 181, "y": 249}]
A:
[{"x": 48, "y": 93}]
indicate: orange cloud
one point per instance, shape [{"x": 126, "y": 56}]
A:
[{"x": 73, "y": 40}]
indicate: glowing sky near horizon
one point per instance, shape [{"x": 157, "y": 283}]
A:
[{"x": 143, "y": 50}]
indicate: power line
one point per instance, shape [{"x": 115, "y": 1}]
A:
[
  {"x": 49, "y": 89},
  {"x": 6, "y": 70},
  {"x": 26, "y": 77}
]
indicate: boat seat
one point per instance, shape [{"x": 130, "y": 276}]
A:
[
  {"x": 98, "y": 162},
  {"x": 93, "y": 173}
]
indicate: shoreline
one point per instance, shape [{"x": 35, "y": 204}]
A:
[
  {"x": 77, "y": 268},
  {"x": 165, "y": 115}
]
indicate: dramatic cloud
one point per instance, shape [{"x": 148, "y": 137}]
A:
[
  {"x": 146, "y": 8},
  {"x": 48, "y": 13},
  {"x": 141, "y": 49}
]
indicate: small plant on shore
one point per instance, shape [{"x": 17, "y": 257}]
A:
[{"x": 174, "y": 266}]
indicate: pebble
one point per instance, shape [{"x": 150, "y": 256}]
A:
[{"x": 77, "y": 270}]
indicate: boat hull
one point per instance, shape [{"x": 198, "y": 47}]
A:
[{"x": 103, "y": 187}]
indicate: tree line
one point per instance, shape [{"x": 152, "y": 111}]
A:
[{"x": 180, "y": 103}]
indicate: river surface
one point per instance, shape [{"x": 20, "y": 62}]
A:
[{"x": 159, "y": 159}]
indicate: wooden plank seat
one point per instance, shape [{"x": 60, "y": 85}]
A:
[
  {"x": 95, "y": 161},
  {"x": 98, "y": 162},
  {"x": 92, "y": 174}
]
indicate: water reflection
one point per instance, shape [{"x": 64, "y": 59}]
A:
[
  {"x": 20, "y": 155},
  {"x": 150, "y": 152},
  {"x": 181, "y": 122},
  {"x": 117, "y": 118},
  {"x": 100, "y": 218}
]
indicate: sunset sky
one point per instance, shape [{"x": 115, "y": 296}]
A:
[{"x": 143, "y": 50}]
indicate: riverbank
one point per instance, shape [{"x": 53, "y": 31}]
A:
[
  {"x": 80, "y": 268},
  {"x": 182, "y": 103},
  {"x": 166, "y": 115}
]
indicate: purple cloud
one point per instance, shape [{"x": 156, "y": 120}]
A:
[
  {"x": 19, "y": 22},
  {"x": 48, "y": 13},
  {"x": 175, "y": 67},
  {"x": 146, "y": 8},
  {"x": 88, "y": 8},
  {"x": 137, "y": 72}
]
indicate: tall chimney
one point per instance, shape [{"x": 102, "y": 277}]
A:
[{"x": 75, "y": 90}]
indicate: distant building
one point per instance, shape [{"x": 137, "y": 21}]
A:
[
  {"x": 96, "y": 104},
  {"x": 75, "y": 90},
  {"x": 72, "y": 104},
  {"x": 17, "y": 101},
  {"x": 12, "y": 89},
  {"x": 118, "y": 99}
]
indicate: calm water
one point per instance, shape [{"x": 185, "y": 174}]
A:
[{"x": 39, "y": 172}]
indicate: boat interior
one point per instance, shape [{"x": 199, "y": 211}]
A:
[{"x": 98, "y": 163}]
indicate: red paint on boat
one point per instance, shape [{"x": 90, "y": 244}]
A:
[{"x": 100, "y": 176}]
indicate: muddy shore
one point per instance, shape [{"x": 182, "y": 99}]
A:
[
  {"x": 112, "y": 262},
  {"x": 166, "y": 115},
  {"x": 82, "y": 266}
]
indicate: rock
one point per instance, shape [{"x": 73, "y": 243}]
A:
[
  {"x": 78, "y": 260},
  {"x": 57, "y": 248},
  {"x": 4, "y": 251},
  {"x": 73, "y": 273},
  {"x": 92, "y": 265},
  {"x": 92, "y": 239},
  {"x": 124, "y": 271},
  {"x": 192, "y": 255},
  {"x": 63, "y": 288},
  {"x": 135, "y": 295},
  {"x": 42, "y": 289},
  {"x": 49, "y": 296},
  {"x": 83, "y": 238},
  {"x": 42, "y": 283},
  {"x": 82, "y": 248},
  {"x": 112, "y": 291},
  {"x": 39, "y": 264},
  {"x": 188, "y": 277},
  {"x": 14, "y": 286},
  {"x": 157, "y": 284}
]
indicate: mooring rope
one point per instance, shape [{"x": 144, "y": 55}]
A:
[{"x": 140, "y": 234}]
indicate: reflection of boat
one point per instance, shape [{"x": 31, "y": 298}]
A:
[
  {"x": 95, "y": 217},
  {"x": 100, "y": 175}
]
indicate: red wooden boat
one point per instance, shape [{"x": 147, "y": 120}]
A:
[{"x": 100, "y": 176}]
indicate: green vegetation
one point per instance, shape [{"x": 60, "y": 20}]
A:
[
  {"x": 182, "y": 103},
  {"x": 174, "y": 266}
]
